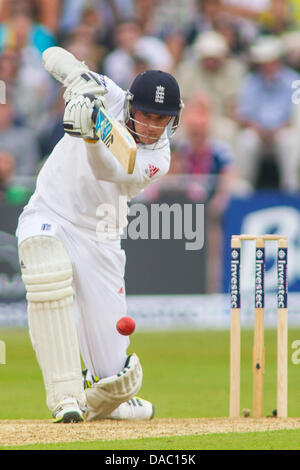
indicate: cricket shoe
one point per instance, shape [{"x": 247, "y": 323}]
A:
[
  {"x": 68, "y": 411},
  {"x": 134, "y": 409}
]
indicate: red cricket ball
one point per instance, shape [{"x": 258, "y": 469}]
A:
[{"x": 125, "y": 326}]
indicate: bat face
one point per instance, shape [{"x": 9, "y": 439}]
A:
[{"x": 117, "y": 139}]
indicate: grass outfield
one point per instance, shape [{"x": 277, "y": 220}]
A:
[{"x": 186, "y": 375}]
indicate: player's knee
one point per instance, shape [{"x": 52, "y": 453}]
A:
[{"x": 46, "y": 269}]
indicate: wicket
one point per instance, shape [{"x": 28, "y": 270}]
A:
[{"x": 282, "y": 324}]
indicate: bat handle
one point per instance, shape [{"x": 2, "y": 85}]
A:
[{"x": 94, "y": 115}]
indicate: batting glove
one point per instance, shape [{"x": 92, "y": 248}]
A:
[
  {"x": 78, "y": 117},
  {"x": 85, "y": 83}
]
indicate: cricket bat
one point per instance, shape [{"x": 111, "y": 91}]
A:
[
  {"x": 59, "y": 63},
  {"x": 116, "y": 138}
]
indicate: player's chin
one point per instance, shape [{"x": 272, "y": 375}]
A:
[{"x": 149, "y": 140}]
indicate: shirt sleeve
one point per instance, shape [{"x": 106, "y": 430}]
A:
[{"x": 149, "y": 166}]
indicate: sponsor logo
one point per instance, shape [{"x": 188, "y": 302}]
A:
[
  {"x": 103, "y": 125},
  {"x": 46, "y": 227},
  {"x": 109, "y": 140},
  {"x": 235, "y": 279},
  {"x": 152, "y": 170},
  {"x": 259, "y": 278},
  {"x": 281, "y": 254},
  {"x": 282, "y": 279}
]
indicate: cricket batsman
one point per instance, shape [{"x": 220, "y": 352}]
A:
[{"x": 69, "y": 238}]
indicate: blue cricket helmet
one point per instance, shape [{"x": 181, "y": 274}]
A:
[
  {"x": 157, "y": 92},
  {"x": 153, "y": 92}
]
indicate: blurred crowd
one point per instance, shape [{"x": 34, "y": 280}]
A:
[{"x": 237, "y": 63}]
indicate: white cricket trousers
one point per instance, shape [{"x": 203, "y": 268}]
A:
[{"x": 98, "y": 283}]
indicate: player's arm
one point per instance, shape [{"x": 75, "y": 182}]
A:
[
  {"x": 78, "y": 79},
  {"x": 148, "y": 167},
  {"x": 72, "y": 73},
  {"x": 86, "y": 117}
]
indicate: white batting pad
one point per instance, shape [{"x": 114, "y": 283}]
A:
[
  {"x": 47, "y": 275},
  {"x": 109, "y": 393}
]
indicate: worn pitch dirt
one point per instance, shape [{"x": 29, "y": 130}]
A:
[{"x": 24, "y": 432}]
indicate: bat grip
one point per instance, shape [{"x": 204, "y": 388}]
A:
[{"x": 94, "y": 115}]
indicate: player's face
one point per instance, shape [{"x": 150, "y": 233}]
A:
[{"x": 149, "y": 127}]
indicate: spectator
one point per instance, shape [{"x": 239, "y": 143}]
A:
[
  {"x": 119, "y": 64},
  {"x": 175, "y": 40},
  {"x": 83, "y": 45},
  {"x": 268, "y": 16},
  {"x": 144, "y": 11},
  {"x": 167, "y": 15},
  {"x": 212, "y": 72},
  {"x": 265, "y": 113},
  {"x": 92, "y": 32},
  {"x": 19, "y": 141},
  {"x": 91, "y": 55},
  {"x": 110, "y": 11},
  {"x": 19, "y": 31},
  {"x": 213, "y": 17},
  {"x": 9, "y": 66},
  {"x": 44, "y": 11},
  {"x": 219, "y": 127},
  {"x": 203, "y": 155},
  {"x": 291, "y": 43},
  {"x": 276, "y": 19},
  {"x": 237, "y": 41},
  {"x": 210, "y": 11},
  {"x": 28, "y": 84},
  {"x": 7, "y": 167},
  {"x": 99, "y": 33},
  {"x": 295, "y": 12},
  {"x": 48, "y": 13},
  {"x": 71, "y": 16}
]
